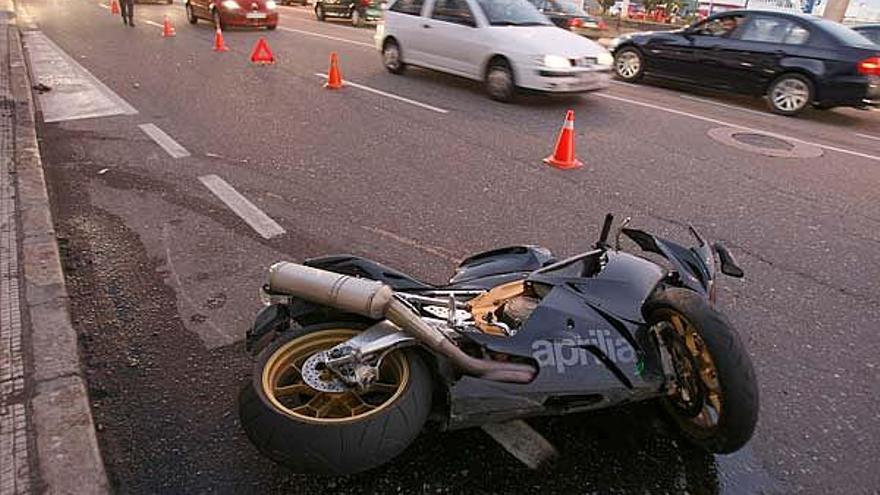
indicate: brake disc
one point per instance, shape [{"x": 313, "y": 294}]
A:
[{"x": 316, "y": 374}]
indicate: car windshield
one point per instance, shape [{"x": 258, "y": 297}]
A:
[
  {"x": 512, "y": 13},
  {"x": 844, "y": 34}
]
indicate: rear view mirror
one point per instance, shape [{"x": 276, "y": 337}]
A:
[{"x": 729, "y": 265}]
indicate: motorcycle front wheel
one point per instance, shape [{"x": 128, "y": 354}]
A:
[
  {"x": 310, "y": 431},
  {"x": 715, "y": 400}
]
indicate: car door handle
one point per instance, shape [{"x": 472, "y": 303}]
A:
[{"x": 426, "y": 26}]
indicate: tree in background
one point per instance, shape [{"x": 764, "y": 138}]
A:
[
  {"x": 606, "y": 4},
  {"x": 651, "y": 5}
]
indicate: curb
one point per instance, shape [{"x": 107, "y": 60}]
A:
[{"x": 67, "y": 454}]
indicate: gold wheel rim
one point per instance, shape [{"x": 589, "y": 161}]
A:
[
  {"x": 285, "y": 388},
  {"x": 706, "y": 374}
]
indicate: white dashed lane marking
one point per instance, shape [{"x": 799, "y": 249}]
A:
[
  {"x": 725, "y": 105},
  {"x": 390, "y": 95},
  {"x": 168, "y": 144},
  {"x": 248, "y": 212},
  {"x": 327, "y": 36}
]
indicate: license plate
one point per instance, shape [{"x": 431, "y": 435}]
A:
[{"x": 256, "y": 15}]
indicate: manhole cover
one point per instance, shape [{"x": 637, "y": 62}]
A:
[
  {"x": 763, "y": 141},
  {"x": 764, "y": 144}
]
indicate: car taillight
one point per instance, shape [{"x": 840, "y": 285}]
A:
[
  {"x": 870, "y": 66},
  {"x": 601, "y": 24},
  {"x": 575, "y": 23},
  {"x": 365, "y": 3}
]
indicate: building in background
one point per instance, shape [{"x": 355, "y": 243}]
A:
[{"x": 859, "y": 11}]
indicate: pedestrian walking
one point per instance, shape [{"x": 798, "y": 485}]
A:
[{"x": 127, "y": 8}]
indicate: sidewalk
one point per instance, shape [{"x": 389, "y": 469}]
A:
[{"x": 47, "y": 436}]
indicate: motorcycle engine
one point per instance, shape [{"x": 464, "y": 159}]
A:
[{"x": 518, "y": 309}]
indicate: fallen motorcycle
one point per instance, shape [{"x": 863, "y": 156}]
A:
[{"x": 354, "y": 357}]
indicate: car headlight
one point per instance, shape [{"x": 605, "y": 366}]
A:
[
  {"x": 230, "y": 5},
  {"x": 605, "y": 58},
  {"x": 556, "y": 62},
  {"x": 271, "y": 5}
]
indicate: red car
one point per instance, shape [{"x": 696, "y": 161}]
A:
[{"x": 238, "y": 13}]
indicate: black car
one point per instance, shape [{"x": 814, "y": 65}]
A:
[
  {"x": 870, "y": 31},
  {"x": 358, "y": 11},
  {"x": 569, "y": 15},
  {"x": 794, "y": 60}
]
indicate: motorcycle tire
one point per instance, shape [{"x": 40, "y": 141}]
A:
[
  {"x": 711, "y": 346},
  {"x": 323, "y": 433}
]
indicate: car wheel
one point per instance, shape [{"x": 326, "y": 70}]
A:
[
  {"x": 218, "y": 20},
  {"x": 319, "y": 13},
  {"x": 190, "y": 15},
  {"x": 357, "y": 20},
  {"x": 499, "y": 81},
  {"x": 790, "y": 94},
  {"x": 391, "y": 58},
  {"x": 629, "y": 64},
  {"x": 271, "y": 27}
]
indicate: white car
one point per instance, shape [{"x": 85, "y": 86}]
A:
[{"x": 507, "y": 44}]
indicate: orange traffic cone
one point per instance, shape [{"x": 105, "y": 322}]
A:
[
  {"x": 114, "y": 7},
  {"x": 167, "y": 28},
  {"x": 334, "y": 79},
  {"x": 262, "y": 54},
  {"x": 219, "y": 44},
  {"x": 563, "y": 156}
]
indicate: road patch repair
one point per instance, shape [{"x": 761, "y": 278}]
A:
[{"x": 73, "y": 92}]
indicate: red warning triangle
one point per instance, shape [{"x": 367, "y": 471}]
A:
[{"x": 262, "y": 54}]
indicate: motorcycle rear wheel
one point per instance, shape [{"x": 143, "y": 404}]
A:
[
  {"x": 310, "y": 431},
  {"x": 716, "y": 404}
]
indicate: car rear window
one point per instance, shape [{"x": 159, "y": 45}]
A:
[
  {"x": 775, "y": 30},
  {"x": 413, "y": 7},
  {"x": 844, "y": 34},
  {"x": 872, "y": 33}
]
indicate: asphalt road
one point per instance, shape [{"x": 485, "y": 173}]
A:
[{"x": 163, "y": 275}]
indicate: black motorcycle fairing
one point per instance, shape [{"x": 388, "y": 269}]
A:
[
  {"x": 696, "y": 266},
  {"x": 488, "y": 282},
  {"x": 519, "y": 259},
  {"x": 577, "y": 348},
  {"x": 357, "y": 266},
  {"x": 614, "y": 281}
]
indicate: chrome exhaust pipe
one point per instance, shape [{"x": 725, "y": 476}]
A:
[{"x": 376, "y": 300}]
